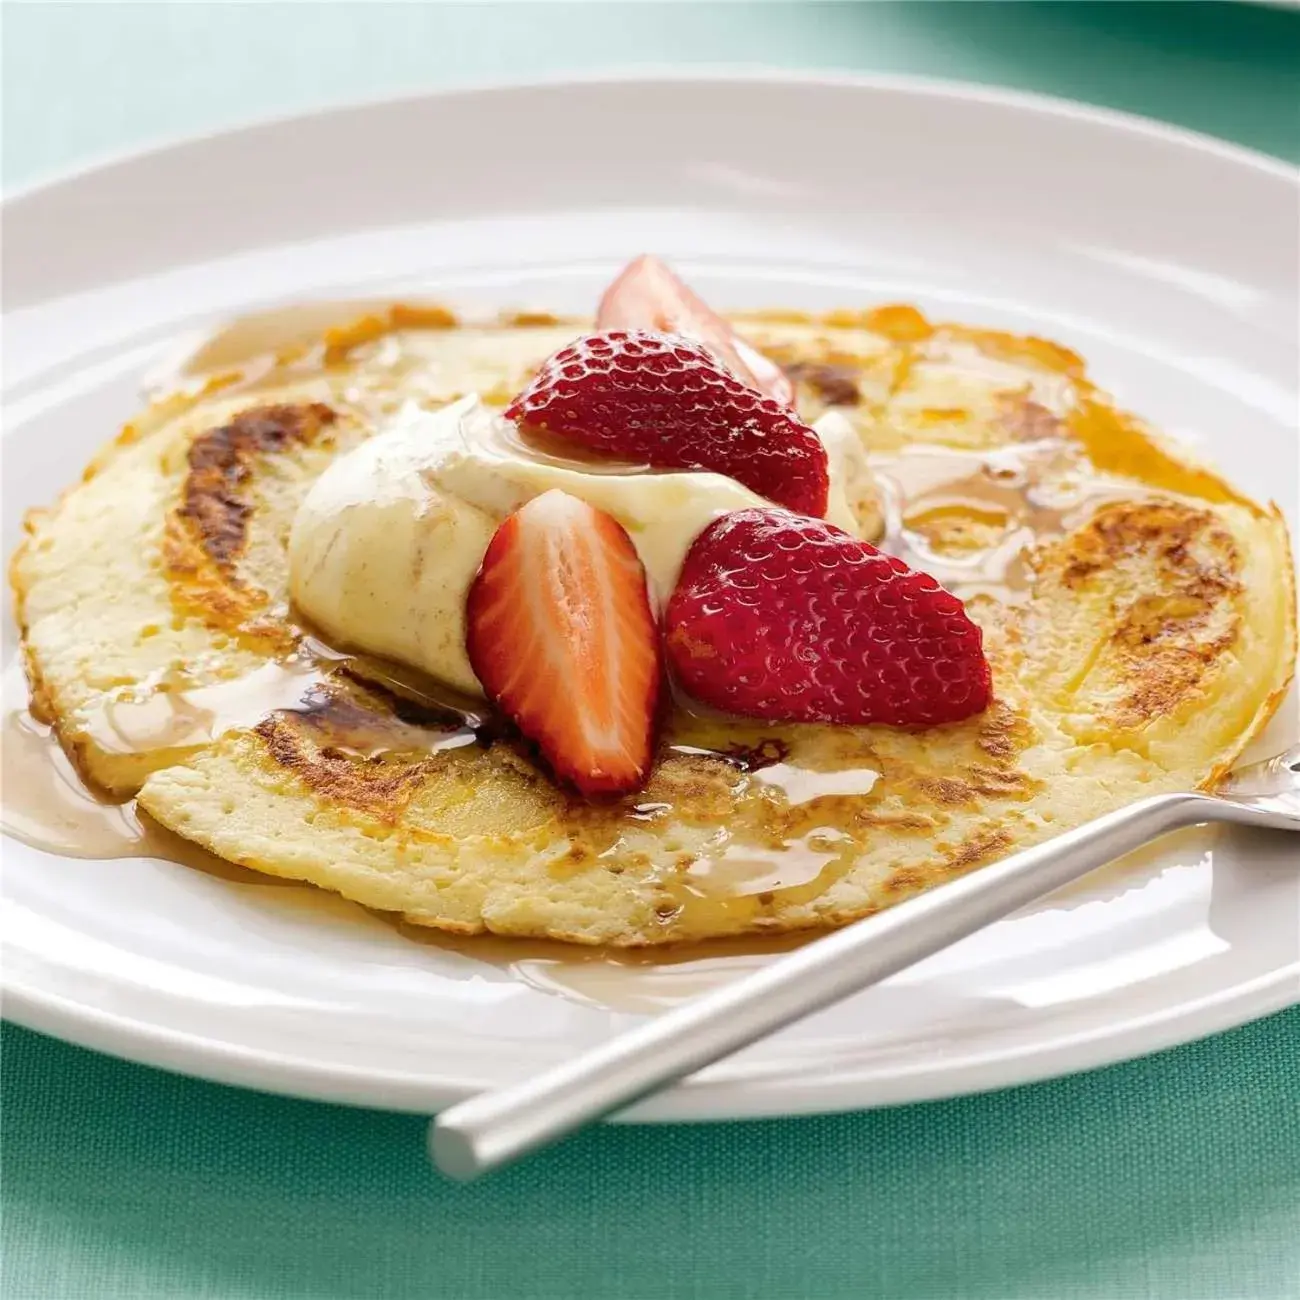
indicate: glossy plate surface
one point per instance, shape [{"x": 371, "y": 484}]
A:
[{"x": 1168, "y": 260}]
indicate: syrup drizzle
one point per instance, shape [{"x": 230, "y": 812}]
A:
[
  {"x": 162, "y": 714},
  {"x": 994, "y": 509},
  {"x": 45, "y": 804}
]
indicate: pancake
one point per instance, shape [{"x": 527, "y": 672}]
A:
[{"x": 1138, "y": 612}]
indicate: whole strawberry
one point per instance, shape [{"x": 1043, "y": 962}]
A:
[
  {"x": 791, "y": 619},
  {"x": 669, "y": 402}
]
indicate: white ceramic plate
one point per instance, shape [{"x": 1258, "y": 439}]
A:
[{"x": 1167, "y": 259}]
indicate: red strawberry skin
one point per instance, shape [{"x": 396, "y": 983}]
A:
[
  {"x": 647, "y": 294},
  {"x": 560, "y": 633},
  {"x": 792, "y": 619},
  {"x": 667, "y": 401}
]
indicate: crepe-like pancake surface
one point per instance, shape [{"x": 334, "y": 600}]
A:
[{"x": 1139, "y": 615}]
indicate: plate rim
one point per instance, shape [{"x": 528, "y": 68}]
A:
[
  {"x": 723, "y": 75},
  {"x": 695, "y": 1099},
  {"x": 704, "y": 1098}
]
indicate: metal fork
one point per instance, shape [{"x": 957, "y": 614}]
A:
[{"x": 496, "y": 1127}]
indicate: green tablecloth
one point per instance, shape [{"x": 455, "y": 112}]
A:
[{"x": 1177, "y": 1176}]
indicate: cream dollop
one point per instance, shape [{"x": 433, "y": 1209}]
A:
[{"x": 388, "y": 540}]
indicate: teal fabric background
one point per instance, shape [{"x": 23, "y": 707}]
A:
[
  {"x": 1172, "y": 1178},
  {"x": 1175, "y": 1178}
]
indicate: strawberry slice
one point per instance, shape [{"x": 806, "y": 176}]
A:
[
  {"x": 668, "y": 401},
  {"x": 561, "y": 635},
  {"x": 791, "y": 619},
  {"x": 648, "y": 295}
]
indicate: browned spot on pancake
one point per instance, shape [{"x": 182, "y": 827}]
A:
[
  {"x": 951, "y": 860},
  {"x": 1028, "y": 421},
  {"x": 1168, "y": 667},
  {"x": 997, "y": 742},
  {"x": 206, "y": 534},
  {"x": 1003, "y": 735},
  {"x": 977, "y": 850},
  {"x": 1124, "y": 528},
  {"x": 370, "y": 785},
  {"x": 1167, "y": 641},
  {"x": 1157, "y": 693},
  {"x": 865, "y": 818},
  {"x": 220, "y": 466},
  {"x": 835, "y": 385},
  {"x": 907, "y": 880},
  {"x": 1001, "y": 782},
  {"x": 947, "y": 790}
]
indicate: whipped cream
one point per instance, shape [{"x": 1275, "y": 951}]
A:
[{"x": 388, "y": 540}]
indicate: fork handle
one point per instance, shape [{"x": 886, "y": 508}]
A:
[{"x": 495, "y": 1127}]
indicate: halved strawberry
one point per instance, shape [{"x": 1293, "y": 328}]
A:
[
  {"x": 561, "y": 635},
  {"x": 790, "y": 619},
  {"x": 669, "y": 401},
  {"x": 648, "y": 295}
]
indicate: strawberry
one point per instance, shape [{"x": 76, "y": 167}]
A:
[
  {"x": 668, "y": 401},
  {"x": 791, "y": 619},
  {"x": 647, "y": 295},
  {"x": 561, "y": 635}
]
